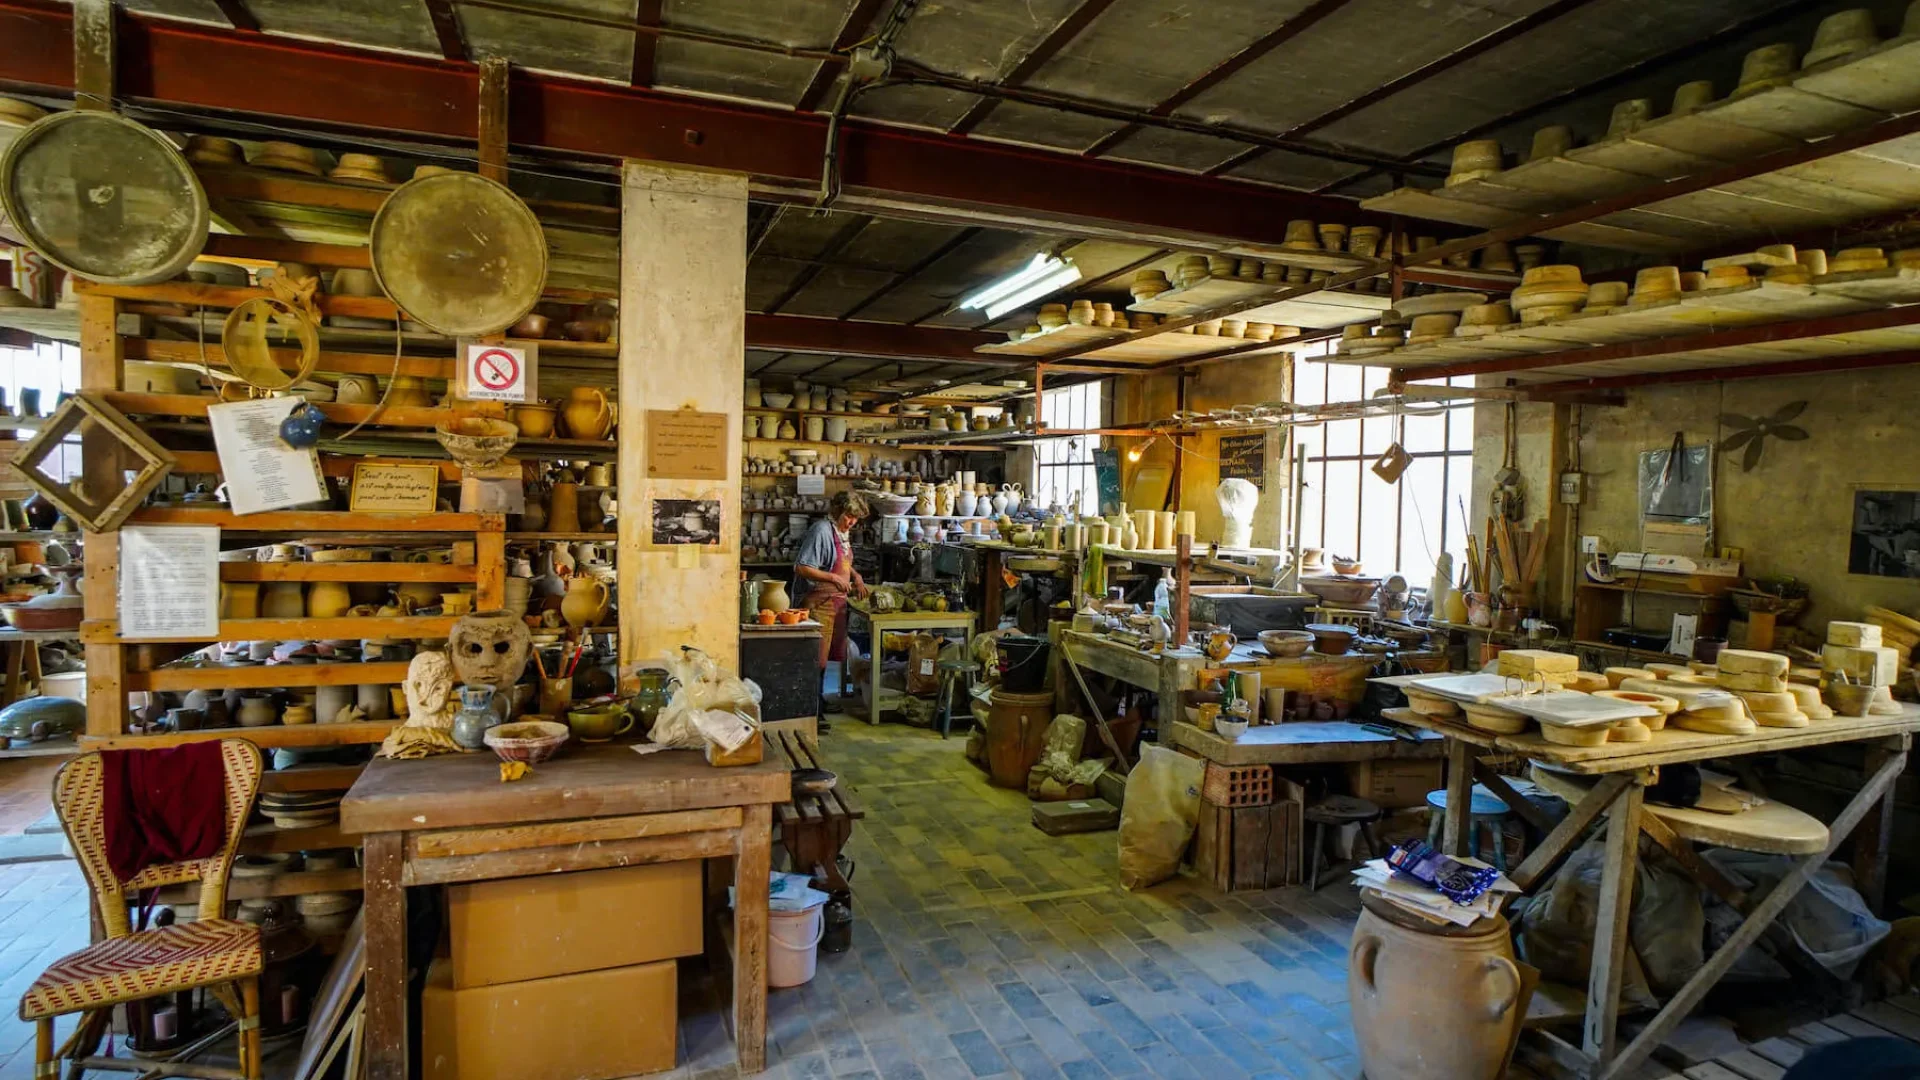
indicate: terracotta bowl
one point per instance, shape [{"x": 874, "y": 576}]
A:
[
  {"x": 1346, "y": 567},
  {"x": 1331, "y": 639},
  {"x": 792, "y": 616},
  {"x": 530, "y": 740},
  {"x": 1285, "y": 643},
  {"x": 479, "y": 441}
]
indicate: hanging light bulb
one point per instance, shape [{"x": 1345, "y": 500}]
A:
[{"x": 1135, "y": 453}]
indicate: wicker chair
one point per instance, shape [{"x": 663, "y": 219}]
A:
[{"x": 220, "y": 954}]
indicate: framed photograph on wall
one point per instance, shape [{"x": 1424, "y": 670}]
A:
[{"x": 1886, "y": 532}]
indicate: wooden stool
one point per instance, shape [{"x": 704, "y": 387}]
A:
[
  {"x": 1338, "y": 810},
  {"x": 956, "y": 680},
  {"x": 1485, "y": 808}
]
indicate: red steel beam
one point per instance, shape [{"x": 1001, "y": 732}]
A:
[
  {"x": 1667, "y": 346},
  {"x": 1815, "y": 365},
  {"x": 185, "y": 65},
  {"x": 1058, "y": 38},
  {"x": 1225, "y": 69}
]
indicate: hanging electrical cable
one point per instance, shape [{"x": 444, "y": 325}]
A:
[{"x": 868, "y": 66}]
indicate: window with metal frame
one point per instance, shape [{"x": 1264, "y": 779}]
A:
[
  {"x": 1349, "y": 510},
  {"x": 1063, "y": 468},
  {"x": 53, "y": 368}
]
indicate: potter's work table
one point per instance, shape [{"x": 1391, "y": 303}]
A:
[
  {"x": 881, "y": 622},
  {"x": 1305, "y": 744},
  {"x": 1620, "y": 773},
  {"x": 450, "y": 820}
]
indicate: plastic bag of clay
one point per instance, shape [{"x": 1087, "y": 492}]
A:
[
  {"x": 699, "y": 683},
  {"x": 923, "y": 665},
  {"x": 1061, "y": 747},
  {"x": 1828, "y": 918},
  {"x": 1555, "y": 931},
  {"x": 1158, "y": 814}
]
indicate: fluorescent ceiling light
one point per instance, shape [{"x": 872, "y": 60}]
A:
[
  {"x": 1042, "y": 268},
  {"x": 1060, "y": 277}
]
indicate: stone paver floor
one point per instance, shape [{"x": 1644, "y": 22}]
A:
[{"x": 982, "y": 948}]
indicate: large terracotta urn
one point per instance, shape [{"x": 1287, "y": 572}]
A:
[
  {"x": 587, "y": 413},
  {"x": 586, "y": 602},
  {"x": 1431, "y": 1001}
]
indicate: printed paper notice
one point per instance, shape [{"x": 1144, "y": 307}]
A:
[
  {"x": 262, "y": 471},
  {"x": 810, "y": 484},
  {"x": 169, "y": 581},
  {"x": 686, "y": 445}
]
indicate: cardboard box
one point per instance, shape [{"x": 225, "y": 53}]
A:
[
  {"x": 594, "y": 1025},
  {"x": 559, "y": 924},
  {"x": 1394, "y": 784}
]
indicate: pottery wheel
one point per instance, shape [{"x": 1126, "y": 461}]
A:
[
  {"x": 459, "y": 253},
  {"x": 104, "y": 197}
]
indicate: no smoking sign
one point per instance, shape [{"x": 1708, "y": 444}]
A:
[{"x": 496, "y": 372}]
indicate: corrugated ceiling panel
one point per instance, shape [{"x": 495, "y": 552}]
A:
[
  {"x": 380, "y": 23},
  {"x": 769, "y": 277},
  {"x": 896, "y": 244},
  {"x": 804, "y": 24},
  {"x": 1035, "y": 126},
  {"x": 1140, "y": 51},
  {"x": 547, "y": 44},
  {"x": 917, "y": 106},
  {"x": 197, "y": 10},
  {"x": 1294, "y": 170},
  {"x": 979, "y": 39},
  {"x": 987, "y": 255},
  {"x": 1175, "y": 149},
  {"x": 836, "y": 290}
]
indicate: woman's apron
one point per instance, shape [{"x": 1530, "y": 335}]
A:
[{"x": 828, "y": 605}]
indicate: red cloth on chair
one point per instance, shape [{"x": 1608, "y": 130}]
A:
[{"x": 163, "y": 806}]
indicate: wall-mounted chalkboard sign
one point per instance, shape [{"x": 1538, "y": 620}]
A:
[{"x": 1244, "y": 456}]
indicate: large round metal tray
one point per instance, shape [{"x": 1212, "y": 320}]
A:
[
  {"x": 459, "y": 253},
  {"x": 104, "y": 197}
]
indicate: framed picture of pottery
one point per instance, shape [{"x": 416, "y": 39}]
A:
[
  {"x": 395, "y": 489},
  {"x": 686, "y": 521},
  {"x": 1886, "y": 532}
]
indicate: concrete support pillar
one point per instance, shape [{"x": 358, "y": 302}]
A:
[{"x": 683, "y": 265}]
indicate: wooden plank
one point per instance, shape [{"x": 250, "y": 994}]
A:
[
  {"x": 316, "y": 521},
  {"x": 1459, "y": 798},
  {"x": 271, "y": 840},
  {"x": 490, "y": 571},
  {"x": 1322, "y": 743},
  {"x": 310, "y": 778},
  {"x": 1873, "y": 840},
  {"x": 343, "y": 627},
  {"x": 1060, "y": 339},
  {"x": 330, "y": 360},
  {"x": 1853, "y": 1027},
  {"x": 195, "y": 405},
  {"x": 1252, "y": 826},
  {"x": 750, "y": 940},
  {"x": 295, "y": 883},
  {"x": 493, "y": 119},
  {"x": 1610, "y": 926},
  {"x": 267, "y": 677},
  {"x": 94, "y": 53},
  {"x": 452, "y": 842},
  {"x": 106, "y": 661},
  {"x": 1899, "y": 1021},
  {"x": 370, "y": 731},
  {"x": 1711, "y": 1071},
  {"x": 608, "y": 779},
  {"x": 1817, "y": 1033},
  {"x": 194, "y": 294},
  {"x": 1783, "y": 1052},
  {"x": 1751, "y": 1065},
  {"x": 587, "y": 855},
  {"x": 385, "y": 917},
  {"x": 382, "y": 572},
  {"x": 1700, "y": 869}
]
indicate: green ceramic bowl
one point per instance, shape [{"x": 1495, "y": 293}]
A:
[{"x": 599, "y": 725}]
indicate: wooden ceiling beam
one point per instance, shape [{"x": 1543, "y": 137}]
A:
[
  {"x": 446, "y": 27},
  {"x": 859, "y": 17},
  {"x": 235, "y": 12},
  {"x": 647, "y": 14},
  {"x": 1224, "y": 70},
  {"x": 1476, "y": 48},
  {"x": 1058, "y": 38}
]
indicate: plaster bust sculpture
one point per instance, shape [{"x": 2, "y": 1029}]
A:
[{"x": 1237, "y": 501}]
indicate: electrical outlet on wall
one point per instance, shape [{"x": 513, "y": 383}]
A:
[{"x": 1589, "y": 545}]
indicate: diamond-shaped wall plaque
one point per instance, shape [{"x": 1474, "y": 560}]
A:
[{"x": 122, "y": 463}]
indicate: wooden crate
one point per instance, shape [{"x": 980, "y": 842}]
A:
[
  {"x": 1251, "y": 847},
  {"x": 1238, "y": 785}
]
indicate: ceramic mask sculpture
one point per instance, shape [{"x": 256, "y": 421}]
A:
[
  {"x": 1237, "y": 501},
  {"x": 429, "y": 688},
  {"x": 490, "y": 648}
]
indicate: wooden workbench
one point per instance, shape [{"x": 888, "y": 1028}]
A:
[
  {"x": 1624, "y": 770},
  {"x": 881, "y": 622},
  {"x": 1172, "y": 671},
  {"x": 449, "y": 820},
  {"x": 1313, "y": 743}
]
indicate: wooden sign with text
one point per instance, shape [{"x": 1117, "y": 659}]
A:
[
  {"x": 395, "y": 489},
  {"x": 683, "y": 444}
]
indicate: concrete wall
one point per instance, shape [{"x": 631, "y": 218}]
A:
[
  {"x": 1791, "y": 515},
  {"x": 1143, "y": 399}
]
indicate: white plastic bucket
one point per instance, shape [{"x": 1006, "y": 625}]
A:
[{"x": 793, "y": 942}]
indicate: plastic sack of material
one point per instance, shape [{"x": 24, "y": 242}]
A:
[
  {"x": 1158, "y": 814},
  {"x": 1828, "y": 918},
  {"x": 699, "y": 683},
  {"x": 1555, "y": 931}
]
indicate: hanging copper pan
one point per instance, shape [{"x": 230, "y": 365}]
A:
[
  {"x": 104, "y": 197},
  {"x": 459, "y": 253}
]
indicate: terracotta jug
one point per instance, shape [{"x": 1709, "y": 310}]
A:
[
  {"x": 773, "y": 596},
  {"x": 283, "y": 600},
  {"x": 586, "y": 602},
  {"x": 563, "y": 508},
  {"x": 328, "y": 600},
  {"x": 586, "y": 413},
  {"x": 1431, "y": 1001},
  {"x": 534, "y": 517}
]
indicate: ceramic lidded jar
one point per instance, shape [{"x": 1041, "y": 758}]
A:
[{"x": 1431, "y": 1001}]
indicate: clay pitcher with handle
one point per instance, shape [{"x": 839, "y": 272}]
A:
[
  {"x": 586, "y": 602},
  {"x": 587, "y": 414},
  {"x": 1431, "y": 1001}
]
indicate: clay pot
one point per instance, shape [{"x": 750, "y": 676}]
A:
[
  {"x": 1840, "y": 34},
  {"x": 409, "y": 391},
  {"x": 531, "y": 325},
  {"x": 586, "y": 602},
  {"x": 210, "y": 150},
  {"x": 1432, "y": 327},
  {"x": 257, "y": 711},
  {"x": 535, "y": 421},
  {"x": 328, "y": 600},
  {"x": 286, "y": 157},
  {"x": 1606, "y": 294},
  {"x": 240, "y": 600},
  {"x": 563, "y": 508},
  {"x": 1494, "y": 314},
  {"x": 1814, "y": 259},
  {"x": 1473, "y": 160},
  {"x": 1629, "y": 117},
  {"x": 1550, "y": 142},
  {"x": 587, "y": 414},
  {"x": 283, "y": 600},
  {"x": 1765, "y": 68},
  {"x": 773, "y": 596},
  {"x": 1656, "y": 283},
  {"x": 1431, "y": 1001},
  {"x": 367, "y": 168},
  {"x": 1692, "y": 97}
]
